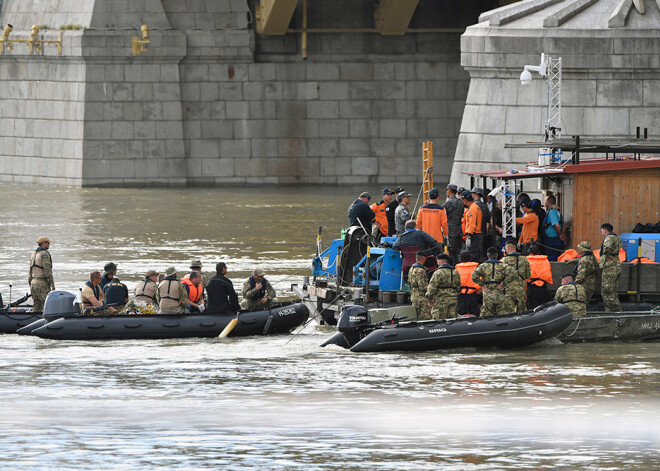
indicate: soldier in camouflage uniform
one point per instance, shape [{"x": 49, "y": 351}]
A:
[
  {"x": 40, "y": 277},
  {"x": 573, "y": 295},
  {"x": 454, "y": 209},
  {"x": 586, "y": 269},
  {"x": 515, "y": 291},
  {"x": 402, "y": 213},
  {"x": 495, "y": 277},
  {"x": 171, "y": 295},
  {"x": 609, "y": 262},
  {"x": 258, "y": 293},
  {"x": 418, "y": 281},
  {"x": 443, "y": 289}
]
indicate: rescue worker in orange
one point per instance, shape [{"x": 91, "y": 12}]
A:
[
  {"x": 171, "y": 295},
  {"x": 432, "y": 218},
  {"x": 473, "y": 218},
  {"x": 381, "y": 226},
  {"x": 194, "y": 288},
  {"x": 468, "y": 297},
  {"x": 537, "y": 291},
  {"x": 530, "y": 226}
]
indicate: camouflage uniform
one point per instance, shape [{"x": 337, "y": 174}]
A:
[
  {"x": 585, "y": 274},
  {"x": 495, "y": 276},
  {"x": 515, "y": 291},
  {"x": 573, "y": 295},
  {"x": 401, "y": 215},
  {"x": 40, "y": 278},
  {"x": 443, "y": 292},
  {"x": 251, "y": 295},
  {"x": 182, "y": 298},
  {"x": 609, "y": 262},
  {"x": 419, "y": 282},
  {"x": 454, "y": 209}
]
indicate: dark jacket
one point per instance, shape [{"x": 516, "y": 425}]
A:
[
  {"x": 390, "y": 209},
  {"x": 360, "y": 210},
  {"x": 420, "y": 239},
  {"x": 115, "y": 292},
  {"x": 221, "y": 294}
]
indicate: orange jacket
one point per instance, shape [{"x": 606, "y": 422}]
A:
[
  {"x": 530, "y": 230},
  {"x": 568, "y": 255},
  {"x": 381, "y": 215},
  {"x": 541, "y": 270},
  {"x": 473, "y": 219},
  {"x": 432, "y": 219},
  {"x": 643, "y": 260},
  {"x": 463, "y": 222},
  {"x": 195, "y": 291},
  {"x": 622, "y": 255},
  {"x": 465, "y": 269}
]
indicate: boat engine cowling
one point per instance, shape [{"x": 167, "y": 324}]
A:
[
  {"x": 353, "y": 320},
  {"x": 60, "y": 304}
]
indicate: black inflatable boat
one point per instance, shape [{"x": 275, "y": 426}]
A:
[
  {"x": 12, "y": 319},
  {"x": 508, "y": 331}
]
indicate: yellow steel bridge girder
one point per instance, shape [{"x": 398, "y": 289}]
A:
[
  {"x": 274, "y": 16},
  {"x": 393, "y": 16}
]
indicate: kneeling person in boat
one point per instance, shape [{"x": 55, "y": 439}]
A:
[
  {"x": 257, "y": 291},
  {"x": 443, "y": 289},
  {"x": 116, "y": 293},
  {"x": 573, "y": 295},
  {"x": 494, "y": 277},
  {"x": 194, "y": 288},
  {"x": 418, "y": 281},
  {"x": 221, "y": 293},
  {"x": 171, "y": 295},
  {"x": 92, "y": 295}
]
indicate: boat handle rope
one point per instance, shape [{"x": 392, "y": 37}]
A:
[{"x": 576, "y": 327}]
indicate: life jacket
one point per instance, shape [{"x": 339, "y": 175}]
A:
[
  {"x": 541, "y": 270},
  {"x": 195, "y": 292},
  {"x": 95, "y": 291},
  {"x": 577, "y": 265},
  {"x": 37, "y": 265},
  {"x": 146, "y": 291},
  {"x": 169, "y": 293},
  {"x": 381, "y": 215},
  {"x": 622, "y": 255},
  {"x": 517, "y": 255},
  {"x": 432, "y": 219},
  {"x": 568, "y": 255},
  {"x": 451, "y": 276},
  {"x": 642, "y": 260},
  {"x": 262, "y": 292},
  {"x": 465, "y": 269},
  {"x": 492, "y": 274},
  {"x": 473, "y": 219}
]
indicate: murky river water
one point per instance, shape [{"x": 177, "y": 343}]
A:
[{"x": 277, "y": 402}]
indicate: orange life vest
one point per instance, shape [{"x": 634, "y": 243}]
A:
[
  {"x": 568, "y": 255},
  {"x": 381, "y": 216},
  {"x": 541, "y": 270},
  {"x": 195, "y": 291},
  {"x": 465, "y": 269},
  {"x": 622, "y": 255},
  {"x": 643, "y": 260}
]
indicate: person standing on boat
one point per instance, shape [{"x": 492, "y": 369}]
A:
[
  {"x": 380, "y": 210},
  {"x": 92, "y": 295},
  {"x": 432, "y": 218},
  {"x": 494, "y": 277},
  {"x": 418, "y": 281},
  {"x": 40, "y": 277},
  {"x": 541, "y": 275},
  {"x": 515, "y": 291},
  {"x": 116, "y": 292},
  {"x": 586, "y": 270},
  {"x": 413, "y": 237},
  {"x": 454, "y": 209},
  {"x": 473, "y": 219},
  {"x": 110, "y": 270},
  {"x": 609, "y": 262},
  {"x": 221, "y": 293},
  {"x": 145, "y": 290},
  {"x": 553, "y": 238},
  {"x": 572, "y": 295},
  {"x": 530, "y": 226},
  {"x": 468, "y": 297},
  {"x": 360, "y": 214},
  {"x": 257, "y": 291},
  {"x": 443, "y": 289},
  {"x": 171, "y": 294},
  {"x": 402, "y": 213},
  {"x": 390, "y": 211}
]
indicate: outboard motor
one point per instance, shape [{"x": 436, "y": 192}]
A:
[
  {"x": 60, "y": 304},
  {"x": 352, "y": 322}
]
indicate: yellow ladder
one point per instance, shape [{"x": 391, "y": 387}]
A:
[{"x": 427, "y": 168}]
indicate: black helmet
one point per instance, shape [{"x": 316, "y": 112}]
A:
[{"x": 478, "y": 190}]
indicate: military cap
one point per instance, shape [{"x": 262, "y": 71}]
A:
[
  {"x": 584, "y": 246},
  {"x": 399, "y": 189},
  {"x": 196, "y": 264},
  {"x": 478, "y": 190},
  {"x": 452, "y": 187},
  {"x": 387, "y": 191},
  {"x": 403, "y": 194},
  {"x": 365, "y": 194},
  {"x": 259, "y": 272},
  {"x": 152, "y": 273},
  {"x": 467, "y": 195},
  {"x": 109, "y": 267},
  {"x": 434, "y": 193},
  {"x": 43, "y": 239},
  {"x": 526, "y": 204},
  {"x": 443, "y": 256},
  {"x": 170, "y": 271}
]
